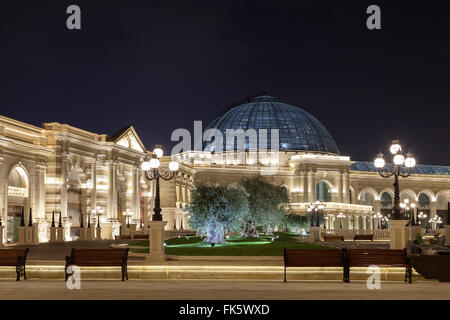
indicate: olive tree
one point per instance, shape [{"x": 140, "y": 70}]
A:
[
  {"x": 216, "y": 209},
  {"x": 267, "y": 204}
]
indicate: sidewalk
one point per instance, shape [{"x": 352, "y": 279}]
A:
[{"x": 222, "y": 290}]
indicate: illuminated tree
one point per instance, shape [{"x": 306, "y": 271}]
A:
[
  {"x": 267, "y": 204},
  {"x": 296, "y": 222},
  {"x": 216, "y": 209}
]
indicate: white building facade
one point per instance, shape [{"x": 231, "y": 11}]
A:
[{"x": 74, "y": 173}]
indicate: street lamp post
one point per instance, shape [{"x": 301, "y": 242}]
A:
[
  {"x": 98, "y": 212},
  {"x": 152, "y": 171},
  {"x": 315, "y": 208},
  {"x": 127, "y": 214},
  {"x": 402, "y": 168},
  {"x": 421, "y": 218}
]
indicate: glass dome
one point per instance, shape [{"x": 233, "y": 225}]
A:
[{"x": 298, "y": 130}]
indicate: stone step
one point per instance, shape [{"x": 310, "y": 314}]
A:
[{"x": 216, "y": 272}]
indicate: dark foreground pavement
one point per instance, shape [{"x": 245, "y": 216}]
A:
[{"x": 221, "y": 290}]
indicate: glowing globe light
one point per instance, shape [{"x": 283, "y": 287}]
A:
[
  {"x": 410, "y": 161},
  {"x": 173, "y": 166},
  {"x": 145, "y": 166},
  {"x": 399, "y": 159},
  {"x": 154, "y": 163},
  {"x": 158, "y": 152},
  {"x": 395, "y": 147},
  {"x": 379, "y": 162}
]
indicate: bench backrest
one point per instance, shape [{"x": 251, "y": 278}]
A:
[
  {"x": 363, "y": 237},
  {"x": 314, "y": 257},
  {"x": 333, "y": 238},
  {"x": 378, "y": 257},
  {"x": 99, "y": 255},
  {"x": 12, "y": 255},
  {"x": 140, "y": 236}
]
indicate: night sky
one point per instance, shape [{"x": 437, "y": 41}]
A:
[{"x": 160, "y": 65}]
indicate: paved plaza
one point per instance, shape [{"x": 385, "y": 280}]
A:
[{"x": 221, "y": 290}]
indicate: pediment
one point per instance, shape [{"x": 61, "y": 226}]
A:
[{"x": 128, "y": 138}]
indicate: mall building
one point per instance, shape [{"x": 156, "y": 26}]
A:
[{"x": 78, "y": 174}]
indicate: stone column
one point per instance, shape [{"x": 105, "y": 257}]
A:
[
  {"x": 146, "y": 212},
  {"x": 114, "y": 191},
  {"x": 22, "y": 235},
  {"x": 40, "y": 190},
  {"x": 398, "y": 233},
  {"x": 185, "y": 221},
  {"x": 432, "y": 209},
  {"x": 304, "y": 181},
  {"x": 447, "y": 235},
  {"x": 94, "y": 185},
  {"x": 346, "y": 186},
  {"x": 311, "y": 185},
  {"x": 135, "y": 200},
  {"x": 157, "y": 253},
  {"x": 314, "y": 233},
  {"x": 1, "y": 236},
  {"x": 63, "y": 190},
  {"x": 364, "y": 226},
  {"x": 340, "y": 197}
]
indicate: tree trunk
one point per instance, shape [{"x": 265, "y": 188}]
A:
[
  {"x": 215, "y": 235},
  {"x": 250, "y": 230}
]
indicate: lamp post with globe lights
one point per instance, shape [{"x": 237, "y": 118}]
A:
[
  {"x": 152, "y": 171},
  {"x": 315, "y": 208},
  {"x": 402, "y": 168},
  {"x": 421, "y": 218}
]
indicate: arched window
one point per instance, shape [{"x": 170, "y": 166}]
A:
[
  {"x": 424, "y": 201},
  {"x": 323, "y": 192},
  {"x": 386, "y": 200},
  {"x": 366, "y": 198}
]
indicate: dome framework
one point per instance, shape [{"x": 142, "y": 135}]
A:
[{"x": 298, "y": 130}]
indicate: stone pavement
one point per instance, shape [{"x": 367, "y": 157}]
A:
[{"x": 220, "y": 290}]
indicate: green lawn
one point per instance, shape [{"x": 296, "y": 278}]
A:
[{"x": 234, "y": 246}]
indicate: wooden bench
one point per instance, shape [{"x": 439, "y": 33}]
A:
[
  {"x": 333, "y": 238},
  {"x": 315, "y": 258},
  {"x": 140, "y": 237},
  {"x": 367, "y": 237},
  {"x": 98, "y": 258},
  {"x": 379, "y": 257},
  {"x": 15, "y": 258},
  {"x": 122, "y": 237}
]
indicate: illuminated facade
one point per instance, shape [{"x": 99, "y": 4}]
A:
[
  {"x": 65, "y": 169},
  {"x": 310, "y": 167}
]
